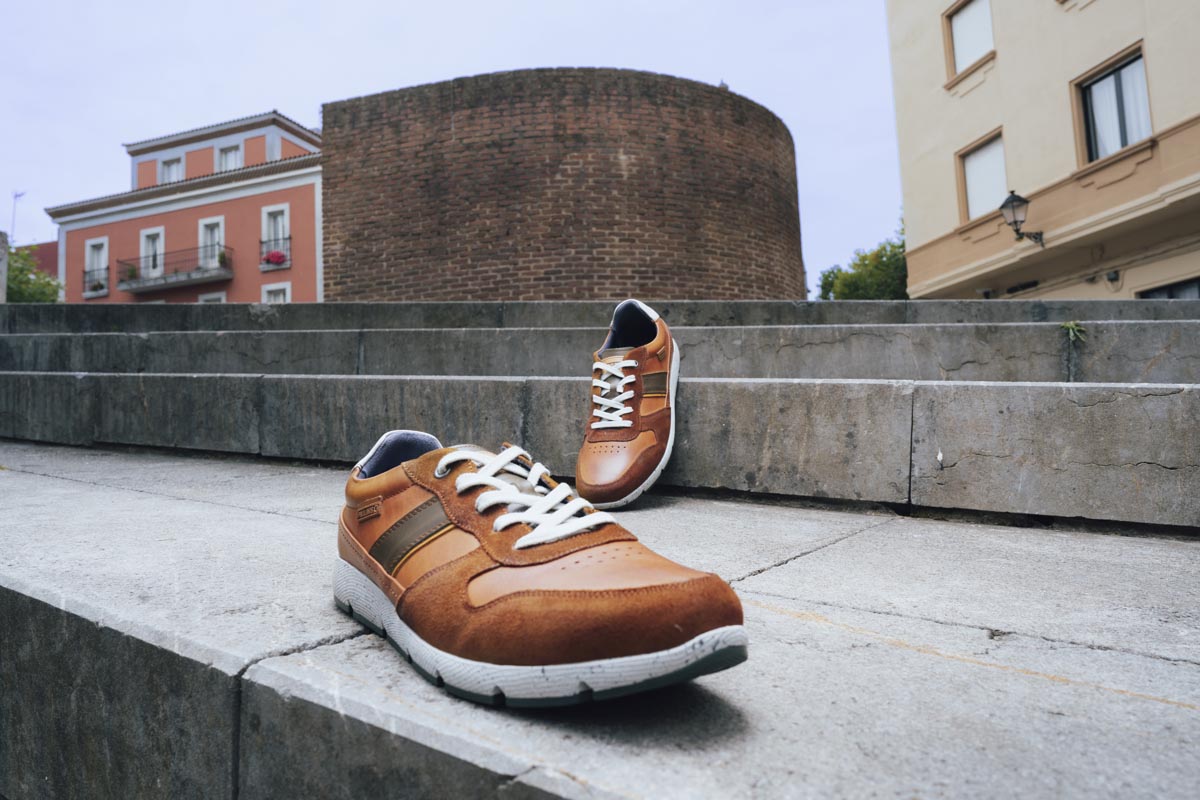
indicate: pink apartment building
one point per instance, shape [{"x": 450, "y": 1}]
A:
[{"x": 226, "y": 213}]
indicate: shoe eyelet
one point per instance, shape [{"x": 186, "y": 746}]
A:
[{"x": 440, "y": 472}]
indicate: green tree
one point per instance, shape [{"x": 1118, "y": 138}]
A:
[
  {"x": 26, "y": 283},
  {"x": 877, "y": 274}
]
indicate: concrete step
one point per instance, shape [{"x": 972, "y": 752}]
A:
[
  {"x": 1113, "y": 352},
  {"x": 203, "y": 656},
  {"x": 1100, "y": 451},
  {"x": 112, "y": 317}
]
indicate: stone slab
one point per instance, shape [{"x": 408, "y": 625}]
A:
[
  {"x": 203, "y": 412},
  {"x": 68, "y": 682},
  {"x": 811, "y": 438},
  {"x": 1100, "y": 451},
  {"x": 969, "y": 352},
  {"x": 905, "y": 352},
  {"x": 831, "y": 703},
  {"x": 1121, "y": 452},
  {"x": 48, "y": 407},
  {"x": 127, "y": 614},
  {"x": 889, "y": 657},
  {"x": 340, "y": 418},
  {"x": 1133, "y": 594},
  {"x": 295, "y": 488},
  {"x": 114, "y": 317},
  {"x": 1115, "y": 352},
  {"x": 704, "y": 532},
  {"x": 1137, "y": 352}
]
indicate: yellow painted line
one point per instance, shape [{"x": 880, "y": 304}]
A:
[{"x": 812, "y": 616}]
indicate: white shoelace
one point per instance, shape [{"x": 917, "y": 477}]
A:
[
  {"x": 612, "y": 410},
  {"x": 553, "y": 515}
]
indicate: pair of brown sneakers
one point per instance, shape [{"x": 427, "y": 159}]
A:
[{"x": 500, "y": 584}]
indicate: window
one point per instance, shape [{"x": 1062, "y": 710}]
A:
[
  {"x": 95, "y": 267},
  {"x": 1184, "y": 290},
  {"x": 1116, "y": 109},
  {"x": 276, "y": 248},
  {"x": 229, "y": 158},
  {"x": 970, "y": 33},
  {"x": 983, "y": 178},
  {"x": 276, "y": 225},
  {"x": 211, "y": 297},
  {"x": 212, "y": 243},
  {"x": 277, "y": 292},
  {"x": 152, "y": 251},
  {"x": 172, "y": 170},
  {"x": 97, "y": 257}
]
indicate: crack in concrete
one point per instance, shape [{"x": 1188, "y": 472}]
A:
[
  {"x": 964, "y": 457},
  {"x": 893, "y": 641},
  {"x": 162, "y": 494},
  {"x": 992, "y": 632},
  {"x": 513, "y": 780},
  {"x": 239, "y": 681},
  {"x": 789, "y": 559},
  {"x": 1133, "y": 464},
  {"x": 1116, "y": 397}
]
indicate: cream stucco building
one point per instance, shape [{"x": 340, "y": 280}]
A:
[{"x": 1090, "y": 109}]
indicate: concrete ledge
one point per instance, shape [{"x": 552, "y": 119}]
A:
[
  {"x": 339, "y": 417},
  {"x": 47, "y": 407},
  {"x": 88, "y": 710},
  {"x": 1114, "y": 352},
  {"x": 128, "y": 616},
  {"x": 1114, "y": 452},
  {"x": 114, "y": 317},
  {"x": 200, "y": 412},
  {"x": 814, "y": 438},
  {"x": 203, "y": 657},
  {"x": 353, "y": 754},
  {"x": 1122, "y": 452},
  {"x": 1132, "y": 352}
]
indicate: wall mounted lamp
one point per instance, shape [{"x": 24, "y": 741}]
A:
[{"x": 1015, "y": 209}]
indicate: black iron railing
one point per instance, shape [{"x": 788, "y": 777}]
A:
[
  {"x": 159, "y": 265},
  {"x": 275, "y": 253},
  {"x": 95, "y": 280}
]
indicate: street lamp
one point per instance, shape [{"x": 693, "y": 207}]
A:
[{"x": 1015, "y": 208}]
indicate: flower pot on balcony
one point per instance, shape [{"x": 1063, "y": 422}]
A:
[{"x": 274, "y": 259}]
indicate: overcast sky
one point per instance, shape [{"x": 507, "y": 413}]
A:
[{"x": 81, "y": 78}]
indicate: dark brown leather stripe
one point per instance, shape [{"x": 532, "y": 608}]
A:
[
  {"x": 654, "y": 383},
  {"x": 409, "y": 531}
]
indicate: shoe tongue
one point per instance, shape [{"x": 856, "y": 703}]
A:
[
  {"x": 523, "y": 486},
  {"x": 472, "y": 447},
  {"x": 612, "y": 355},
  {"x": 510, "y": 477}
]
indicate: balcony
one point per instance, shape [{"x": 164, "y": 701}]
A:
[
  {"x": 275, "y": 254},
  {"x": 153, "y": 273},
  {"x": 95, "y": 283}
]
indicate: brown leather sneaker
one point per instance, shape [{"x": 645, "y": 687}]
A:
[
  {"x": 631, "y": 428},
  {"x": 499, "y": 584}
]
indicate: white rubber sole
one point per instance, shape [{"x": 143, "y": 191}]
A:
[
  {"x": 662, "y": 464},
  {"x": 550, "y": 685}
]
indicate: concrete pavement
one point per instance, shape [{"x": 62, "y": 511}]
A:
[{"x": 169, "y": 630}]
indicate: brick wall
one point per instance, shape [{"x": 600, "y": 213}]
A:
[{"x": 559, "y": 184}]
